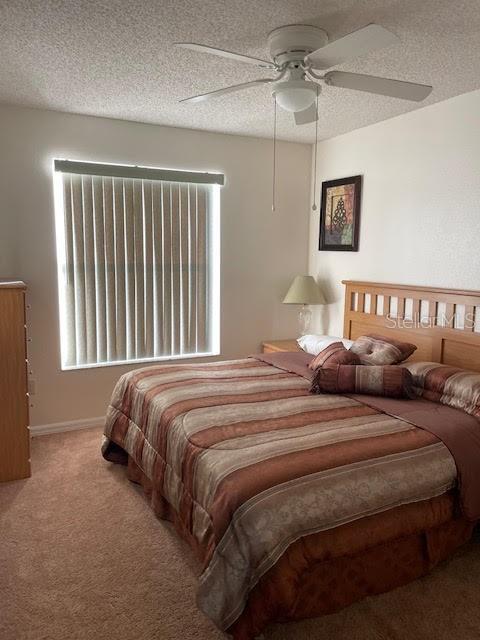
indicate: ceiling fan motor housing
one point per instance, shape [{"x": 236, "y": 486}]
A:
[
  {"x": 293, "y": 42},
  {"x": 288, "y": 46}
]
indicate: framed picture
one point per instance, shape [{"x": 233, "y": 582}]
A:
[{"x": 340, "y": 214}]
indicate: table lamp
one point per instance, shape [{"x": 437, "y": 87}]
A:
[{"x": 304, "y": 290}]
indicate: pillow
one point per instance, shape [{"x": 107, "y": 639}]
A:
[
  {"x": 455, "y": 387},
  {"x": 389, "y": 381},
  {"x": 313, "y": 344},
  {"x": 335, "y": 353},
  {"x": 380, "y": 350}
]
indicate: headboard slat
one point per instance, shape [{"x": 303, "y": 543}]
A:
[
  {"x": 386, "y": 305},
  {"x": 449, "y": 311},
  {"x": 361, "y": 302},
  {"x": 469, "y": 317}
]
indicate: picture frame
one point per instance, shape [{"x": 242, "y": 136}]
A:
[{"x": 340, "y": 214}]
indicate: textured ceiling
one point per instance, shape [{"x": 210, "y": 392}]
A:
[{"x": 115, "y": 58}]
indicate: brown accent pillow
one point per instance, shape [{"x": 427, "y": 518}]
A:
[
  {"x": 455, "y": 387},
  {"x": 335, "y": 353},
  {"x": 375, "y": 349},
  {"x": 389, "y": 381}
]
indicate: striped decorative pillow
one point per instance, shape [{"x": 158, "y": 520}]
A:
[
  {"x": 380, "y": 350},
  {"x": 455, "y": 387},
  {"x": 335, "y": 353},
  {"x": 389, "y": 381}
]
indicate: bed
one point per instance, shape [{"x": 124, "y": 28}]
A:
[{"x": 298, "y": 504}]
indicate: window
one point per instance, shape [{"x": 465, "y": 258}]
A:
[{"x": 138, "y": 263}]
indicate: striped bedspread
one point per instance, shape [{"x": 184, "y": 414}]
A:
[{"x": 251, "y": 461}]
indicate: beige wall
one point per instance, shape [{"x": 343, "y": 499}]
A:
[
  {"x": 8, "y": 220},
  {"x": 421, "y": 203},
  {"x": 261, "y": 251}
]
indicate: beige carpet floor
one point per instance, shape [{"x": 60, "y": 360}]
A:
[{"x": 83, "y": 557}]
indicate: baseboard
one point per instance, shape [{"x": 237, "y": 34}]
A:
[{"x": 60, "y": 427}]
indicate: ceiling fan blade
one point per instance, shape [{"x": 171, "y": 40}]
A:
[
  {"x": 202, "y": 48},
  {"x": 307, "y": 115},
  {"x": 225, "y": 90},
  {"x": 382, "y": 86},
  {"x": 353, "y": 45}
]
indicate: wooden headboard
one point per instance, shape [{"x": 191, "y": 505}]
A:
[{"x": 443, "y": 323}]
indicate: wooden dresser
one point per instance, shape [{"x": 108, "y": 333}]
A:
[{"x": 14, "y": 433}]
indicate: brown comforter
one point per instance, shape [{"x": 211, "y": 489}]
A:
[
  {"x": 459, "y": 431},
  {"x": 250, "y": 461}
]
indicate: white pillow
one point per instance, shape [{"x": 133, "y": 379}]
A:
[{"x": 314, "y": 344}]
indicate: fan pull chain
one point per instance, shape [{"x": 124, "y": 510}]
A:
[
  {"x": 274, "y": 150},
  {"x": 314, "y": 205}
]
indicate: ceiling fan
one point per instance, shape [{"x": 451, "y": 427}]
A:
[{"x": 298, "y": 52}]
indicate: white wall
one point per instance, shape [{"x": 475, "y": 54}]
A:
[
  {"x": 420, "y": 220},
  {"x": 261, "y": 251}
]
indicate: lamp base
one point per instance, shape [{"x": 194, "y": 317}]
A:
[{"x": 304, "y": 319}]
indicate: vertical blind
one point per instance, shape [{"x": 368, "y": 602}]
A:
[{"x": 136, "y": 269}]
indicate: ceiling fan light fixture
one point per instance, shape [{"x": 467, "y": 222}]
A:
[{"x": 295, "y": 95}]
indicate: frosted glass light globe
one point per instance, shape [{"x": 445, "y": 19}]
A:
[{"x": 295, "y": 95}]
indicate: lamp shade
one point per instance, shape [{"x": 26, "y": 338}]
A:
[{"x": 304, "y": 290}]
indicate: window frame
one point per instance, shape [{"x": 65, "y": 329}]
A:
[{"x": 214, "y": 180}]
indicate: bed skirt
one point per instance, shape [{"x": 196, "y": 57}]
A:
[{"x": 322, "y": 573}]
